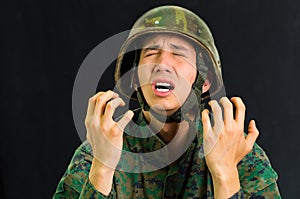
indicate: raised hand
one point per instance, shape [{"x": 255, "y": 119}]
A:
[
  {"x": 105, "y": 136},
  {"x": 225, "y": 143}
]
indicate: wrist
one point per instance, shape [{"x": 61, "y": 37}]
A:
[
  {"x": 226, "y": 184},
  {"x": 101, "y": 177}
]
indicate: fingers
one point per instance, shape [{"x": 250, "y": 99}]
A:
[
  {"x": 97, "y": 105},
  {"x": 252, "y": 135},
  {"x": 240, "y": 110},
  {"x": 125, "y": 120},
  {"x": 92, "y": 103},
  {"x": 210, "y": 135},
  {"x": 218, "y": 118},
  {"x": 111, "y": 107},
  {"x": 228, "y": 110},
  {"x": 102, "y": 100},
  {"x": 206, "y": 122}
]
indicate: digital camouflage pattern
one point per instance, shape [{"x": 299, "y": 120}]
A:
[{"x": 187, "y": 177}]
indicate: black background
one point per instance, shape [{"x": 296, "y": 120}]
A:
[{"x": 43, "y": 44}]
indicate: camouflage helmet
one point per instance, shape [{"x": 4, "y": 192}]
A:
[{"x": 168, "y": 19}]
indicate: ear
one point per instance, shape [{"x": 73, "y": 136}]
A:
[
  {"x": 207, "y": 83},
  {"x": 206, "y": 86}
]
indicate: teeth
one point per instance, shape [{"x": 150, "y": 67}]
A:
[
  {"x": 163, "y": 84},
  {"x": 162, "y": 89}
]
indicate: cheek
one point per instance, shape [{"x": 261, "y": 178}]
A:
[
  {"x": 190, "y": 76},
  {"x": 143, "y": 76}
]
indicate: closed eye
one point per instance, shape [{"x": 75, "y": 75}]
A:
[
  {"x": 149, "y": 53},
  {"x": 179, "y": 54}
]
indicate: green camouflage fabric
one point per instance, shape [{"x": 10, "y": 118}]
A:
[{"x": 187, "y": 177}]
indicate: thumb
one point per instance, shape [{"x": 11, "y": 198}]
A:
[
  {"x": 252, "y": 135},
  {"x": 125, "y": 120}
]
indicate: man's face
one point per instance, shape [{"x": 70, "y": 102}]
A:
[{"x": 166, "y": 71}]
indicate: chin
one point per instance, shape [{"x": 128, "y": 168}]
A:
[{"x": 162, "y": 108}]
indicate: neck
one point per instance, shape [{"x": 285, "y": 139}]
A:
[{"x": 167, "y": 131}]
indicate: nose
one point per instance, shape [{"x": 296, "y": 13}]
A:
[
  {"x": 161, "y": 68},
  {"x": 164, "y": 62}
]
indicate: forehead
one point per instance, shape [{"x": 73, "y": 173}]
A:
[{"x": 167, "y": 39}]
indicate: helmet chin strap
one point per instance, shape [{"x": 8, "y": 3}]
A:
[{"x": 193, "y": 102}]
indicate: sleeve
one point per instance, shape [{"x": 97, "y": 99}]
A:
[
  {"x": 270, "y": 192},
  {"x": 257, "y": 177},
  {"x": 238, "y": 195},
  {"x": 75, "y": 182}
]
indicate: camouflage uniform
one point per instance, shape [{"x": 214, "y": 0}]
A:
[{"x": 187, "y": 177}]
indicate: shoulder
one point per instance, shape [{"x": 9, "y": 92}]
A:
[
  {"x": 84, "y": 151},
  {"x": 82, "y": 158},
  {"x": 77, "y": 171}
]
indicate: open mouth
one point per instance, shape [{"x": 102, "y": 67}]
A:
[{"x": 163, "y": 86}]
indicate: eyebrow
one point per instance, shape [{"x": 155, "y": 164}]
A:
[
  {"x": 173, "y": 46},
  {"x": 152, "y": 47},
  {"x": 178, "y": 47}
]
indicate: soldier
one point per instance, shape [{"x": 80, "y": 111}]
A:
[{"x": 170, "y": 147}]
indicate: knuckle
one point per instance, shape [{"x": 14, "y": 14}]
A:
[
  {"x": 249, "y": 148},
  {"x": 94, "y": 124},
  {"x": 227, "y": 104},
  {"x": 229, "y": 127},
  {"x": 221, "y": 136},
  {"x": 255, "y": 134},
  {"x": 204, "y": 119},
  {"x": 92, "y": 99},
  {"x": 241, "y": 106},
  {"x": 239, "y": 103},
  {"x": 109, "y": 105},
  {"x": 99, "y": 99},
  {"x": 241, "y": 131},
  {"x": 110, "y": 92},
  {"x": 86, "y": 122},
  {"x": 115, "y": 130},
  {"x": 104, "y": 127},
  {"x": 237, "y": 126},
  {"x": 236, "y": 99},
  {"x": 95, "y": 97},
  {"x": 215, "y": 106},
  {"x": 128, "y": 116},
  {"x": 224, "y": 100},
  {"x": 125, "y": 119},
  {"x": 212, "y": 102}
]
